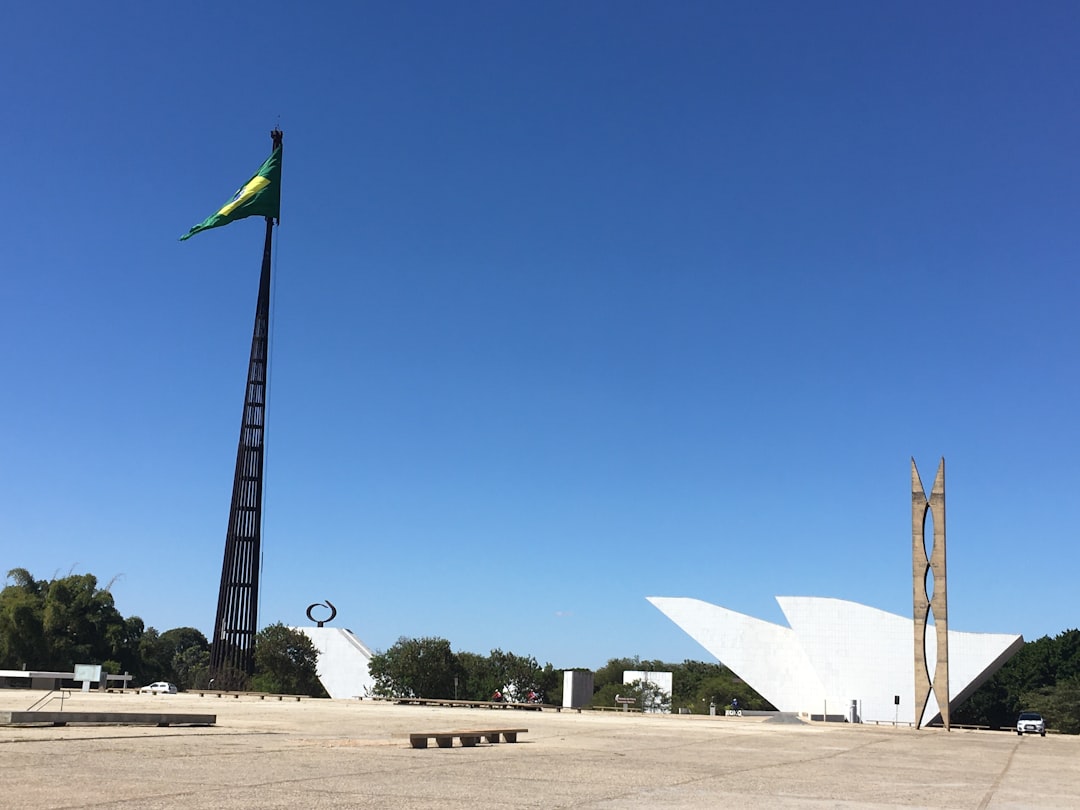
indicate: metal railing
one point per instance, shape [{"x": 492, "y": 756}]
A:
[{"x": 49, "y": 697}]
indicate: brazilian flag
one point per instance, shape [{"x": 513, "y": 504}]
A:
[{"x": 258, "y": 197}]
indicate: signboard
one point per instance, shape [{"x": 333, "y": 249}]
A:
[
  {"x": 87, "y": 672},
  {"x": 621, "y": 699}
]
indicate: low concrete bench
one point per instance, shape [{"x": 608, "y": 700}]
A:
[
  {"x": 445, "y": 739},
  {"x": 107, "y": 718},
  {"x": 259, "y": 695}
]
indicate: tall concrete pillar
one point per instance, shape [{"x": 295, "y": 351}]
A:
[{"x": 930, "y": 595}]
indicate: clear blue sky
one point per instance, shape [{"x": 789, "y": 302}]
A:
[{"x": 575, "y": 303}]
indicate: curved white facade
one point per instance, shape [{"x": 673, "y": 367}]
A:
[{"x": 835, "y": 652}]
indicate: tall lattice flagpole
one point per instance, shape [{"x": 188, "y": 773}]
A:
[{"x": 232, "y": 650}]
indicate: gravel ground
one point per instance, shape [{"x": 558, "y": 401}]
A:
[{"x": 356, "y": 754}]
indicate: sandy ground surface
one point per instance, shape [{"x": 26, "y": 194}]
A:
[{"x": 355, "y": 754}]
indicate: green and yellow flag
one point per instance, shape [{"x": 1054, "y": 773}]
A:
[{"x": 258, "y": 197}]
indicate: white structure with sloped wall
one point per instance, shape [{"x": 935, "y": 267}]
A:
[
  {"x": 343, "y": 661},
  {"x": 835, "y": 652},
  {"x": 577, "y": 688}
]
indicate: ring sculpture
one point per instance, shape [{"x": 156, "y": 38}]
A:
[{"x": 330, "y": 618}]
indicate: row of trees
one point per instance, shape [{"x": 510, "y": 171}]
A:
[
  {"x": 54, "y": 624},
  {"x": 696, "y": 686},
  {"x": 57, "y": 623},
  {"x": 428, "y": 667},
  {"x": 1044, "y": 676},
  {"x": 51, "y": 624}
]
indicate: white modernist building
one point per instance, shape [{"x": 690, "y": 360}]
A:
[
  {"x": 343, "y": 661},
  {"x": 836, "y": 653}
]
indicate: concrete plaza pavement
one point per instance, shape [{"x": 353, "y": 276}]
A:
[{"x": 356, "y": 754}]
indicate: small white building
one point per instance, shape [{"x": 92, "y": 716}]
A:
[{"x": 577, "y": 688}]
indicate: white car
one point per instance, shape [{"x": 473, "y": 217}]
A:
[
  {"x": 159, "y": 688},
  {"x": 1030, "y": 723}
]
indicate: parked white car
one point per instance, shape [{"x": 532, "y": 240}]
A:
[
  {"x": 1030, "y": 723},
  {"x": 160, "y": 688}
]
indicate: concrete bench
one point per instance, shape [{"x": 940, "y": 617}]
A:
[
  {"x": 463, "y": 703},
  {"x": 107, "y": 718},
  {"x": 466, "y": 703},
  {"x": 445, "y": 739},
  {"x": 259, "y": 695}
]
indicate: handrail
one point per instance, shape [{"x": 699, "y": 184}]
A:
[{"x": 48, "y": 697}]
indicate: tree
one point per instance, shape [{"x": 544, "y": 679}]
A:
[
  {"x": 650, "y": 697},
  {"x": 22, "y": 613},
  {"x": 286, "y": 662},
  {"x": 551, "y": 684},
  {"x": 180, "y": 655},
  {"x": 77, "y": 620},
  {"x": 192, "y": 668},
  {"x": 605, "y": 695},
  {"x": 1058, "y": 704},
  {"x": 155, "y": 658},
  {"x": 58, "y": 623},
  {"x": 21, "y": 578},
  {"x": 416, "y": 667},
  {"x": 480, "y": 675},
  {"x": 1040, "y": 677},
  {"x": 477, "y": 678},
  {"x": 231, "y": 679},
  {"x": 612, "y": 671},
  {"x": 189, "y": 656},
  {"x": 123, "y": 640},
  {"x": 517, "y": 675},
  {"x": 697, "y": 685}
]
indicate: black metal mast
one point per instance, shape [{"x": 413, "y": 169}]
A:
[{"x": 232, "y": 650}]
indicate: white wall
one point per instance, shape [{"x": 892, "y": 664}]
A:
[
  {"x": 343, "y": 661},
  {"x": 577, "y": 688}
]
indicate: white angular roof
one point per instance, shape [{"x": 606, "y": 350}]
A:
[{"x": 835, "y": 652}]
